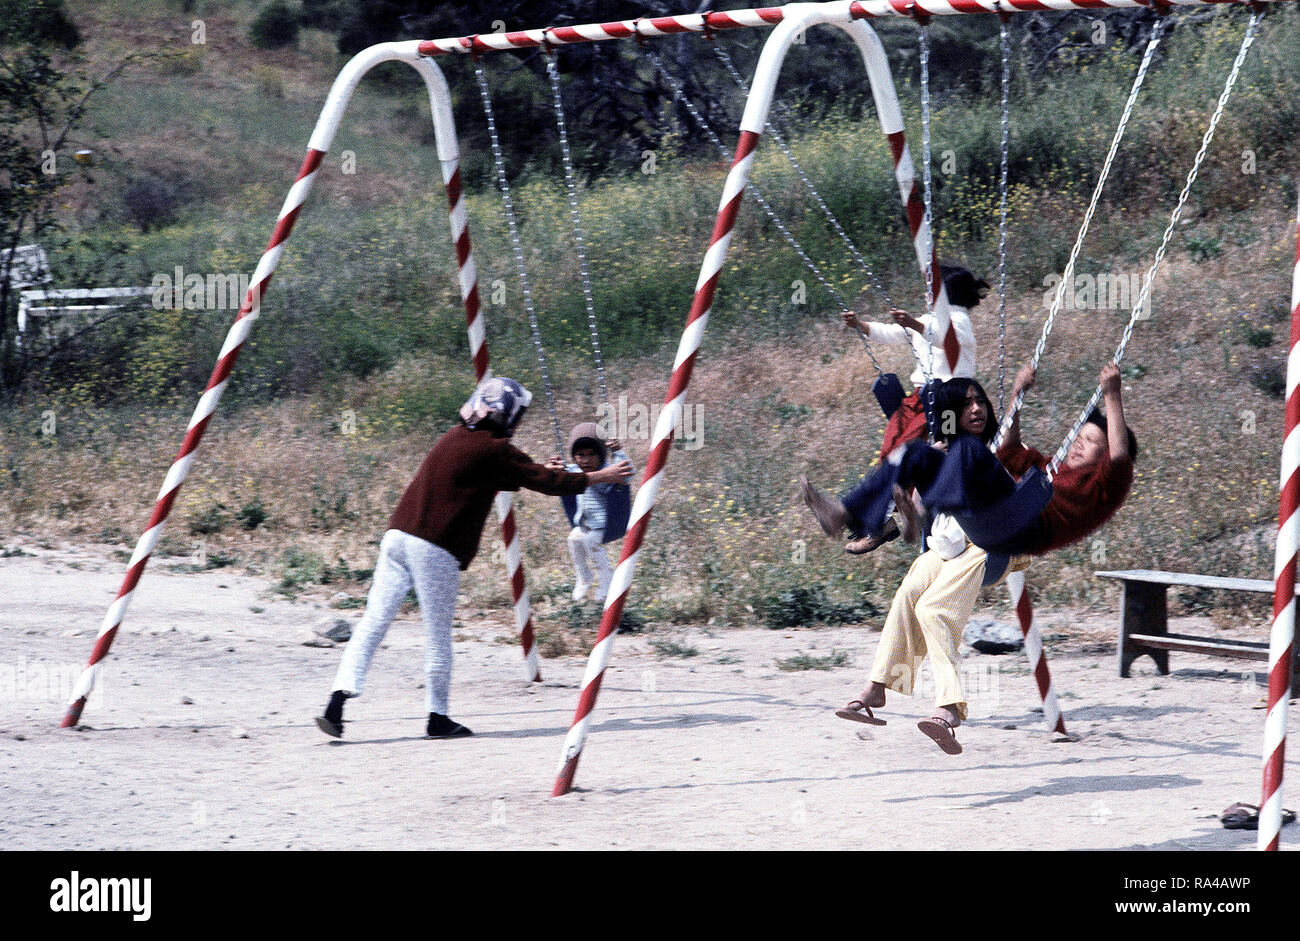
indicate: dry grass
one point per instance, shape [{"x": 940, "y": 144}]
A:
[{"x": 728, "y": 530}]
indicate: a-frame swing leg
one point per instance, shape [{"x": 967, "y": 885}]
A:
[
  {"x": 322, "y": 138},
  {"x": 504, "y": 503},
  {"x": 1034, "y": 650},
  {"x": 751, "y": 127}
]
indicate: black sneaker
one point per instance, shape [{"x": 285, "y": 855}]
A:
[
  {"x": 439, "y": 726},
  {"x": 331, "y": 723},
  {"x": 329, "y": 728}
]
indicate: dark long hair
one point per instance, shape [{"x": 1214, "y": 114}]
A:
[
  {"x": 964, "y": 289},
  {"x": 950, "y": 398}
]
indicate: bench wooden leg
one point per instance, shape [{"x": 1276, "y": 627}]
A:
[{"x": 1145, "y": 612}]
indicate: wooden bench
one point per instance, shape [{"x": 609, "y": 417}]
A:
[
  {"x": 44, "y": 302},
  {"x": 1144, "y": 624}
]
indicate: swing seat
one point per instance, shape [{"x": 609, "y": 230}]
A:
[
  {"x": 618, "y": 509},
  {"x": 995, "y": 527},
  {"x": 888, "y": 392},
  {"x": 995, "y": 566}
]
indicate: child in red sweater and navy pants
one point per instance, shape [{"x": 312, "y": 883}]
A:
[
  {"x": 1090, "y": 485},
  {"x": 434, "y": 534}
]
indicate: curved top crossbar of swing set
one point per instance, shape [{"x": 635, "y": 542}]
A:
[{"x": 652, "y": 26}]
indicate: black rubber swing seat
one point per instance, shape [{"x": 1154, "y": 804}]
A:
[
  {"x": 996, "y": 527},
  {"x": 888, "y": 392},
  {"x": 618, "y": 509}
]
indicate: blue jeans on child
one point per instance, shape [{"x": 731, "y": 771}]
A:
[{"x": 967, "y": 477}]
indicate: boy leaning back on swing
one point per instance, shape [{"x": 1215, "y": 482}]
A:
[{"x": 1089, "y": 486}]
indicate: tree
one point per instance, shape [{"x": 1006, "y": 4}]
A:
[
  {"x": 42, "y": 101},
  {"x": 618, "y": 105}
]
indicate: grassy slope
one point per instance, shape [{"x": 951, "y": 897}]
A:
[{"x": 782, "y": 390}]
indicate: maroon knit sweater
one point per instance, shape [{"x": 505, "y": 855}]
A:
[
  {"x": 448, "y": 502},
  {"x": 1083, "y": 498}
]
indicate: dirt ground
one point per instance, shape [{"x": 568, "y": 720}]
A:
[{"x": 201, "y": 737}]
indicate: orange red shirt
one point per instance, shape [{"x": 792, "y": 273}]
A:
[{"x": 1083, "y": 498}]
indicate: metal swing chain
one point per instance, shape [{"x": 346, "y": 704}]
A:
[
  {"x": 1005, "y": 44},
  {"x": 1145, "y": 295},
  {"x": 579, "y": 236},
  {"x": 929, "y": 215},
  {"x": 1068, "y": 275},
  {"x": 520, "y": 267},
  {"x": 704, "y": 126},
  {"x": 859, "y": 259}
]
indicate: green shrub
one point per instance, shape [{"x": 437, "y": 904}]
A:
[
  {"x": 1205, "y": 247},
  {"x": 219, "y": 560},
  {"x": 805, "y": 661},
  {"x": 301, "y": 568},
  {"x": 1260, "y": 337},
  {"x": 632, "y": 622},
  {"x": 252, "y": 515},
  {"x": 150, "y": 201},
  {"x": 210, "y": 520},
  {"x": 670, "y": 648},
  {"x": 808, "y": 604},
  {"x": 324, "y": 14},
  {"x": 183, "y": 62},
  {"x": 1269, "y": 379},
  {"x": 275, "y": 27}
]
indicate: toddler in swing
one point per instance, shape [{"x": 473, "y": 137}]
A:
[
  {"x": 593, "y": 522},
  {"x": 907, "y": 422}
]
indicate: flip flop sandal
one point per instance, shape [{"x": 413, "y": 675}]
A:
[
  {"x": 1246, "y": 817},
  {"x": 942, "y": 732},
  {"x": 858, "y": 714}
]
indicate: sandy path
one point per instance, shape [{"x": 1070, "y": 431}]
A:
[{"x": 716, "y": 750}]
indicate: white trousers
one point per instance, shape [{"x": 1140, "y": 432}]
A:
[
  {"x": 406, "y": 561},
  {"x": 586, "y": 549}
]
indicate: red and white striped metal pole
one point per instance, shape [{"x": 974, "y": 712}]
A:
[
  {"x": 248, "y": 313},
  {"x": 644, "y": 27},
  {"x": 1034, "y": 650},
  {"x": 761, "y": 91},
  {"x": 1281, "y": 644},
  {"x": 652, "y": 478},
  {"x": 669, "y": 417},
  {"x": 504, "y": 503},
  {"x": 651, "y": 26},
  {"x": 919, "y": 227}
]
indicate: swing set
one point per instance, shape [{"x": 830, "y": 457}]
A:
[{"x": 789, "y": 24}]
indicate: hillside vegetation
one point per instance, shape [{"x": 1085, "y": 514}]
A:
[{"x": 359, "y": 358}]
